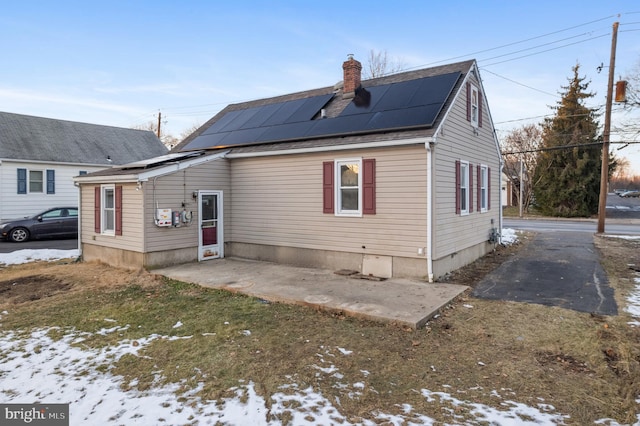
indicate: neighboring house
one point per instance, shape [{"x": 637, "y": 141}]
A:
[
  {"x": 394, "y": 176},
  {"x": 40, "y": 156}
]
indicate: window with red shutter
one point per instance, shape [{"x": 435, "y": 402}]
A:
[
  {"x": 369, "y": 186},
  {"x": 97, "y": 196},
  {"x": 327, "y": 187},
  {"x": 118, "y": 203},
  {"x": 470, "y": 188}
]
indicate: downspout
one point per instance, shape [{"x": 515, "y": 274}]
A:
[
  {"x": 77, "y": 185},
  {"x": 429, "y": 251}
]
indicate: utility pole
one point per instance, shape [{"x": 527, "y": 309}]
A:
[
  {"x": 159, "y": 117},
  {"x": 604, "y": 170}
]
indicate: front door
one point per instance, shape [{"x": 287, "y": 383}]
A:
[{"x": 210, "y": 241}]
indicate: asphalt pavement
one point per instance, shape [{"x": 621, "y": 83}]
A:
[
  {"x": 51, "y": 244},
  {"x": 555, "y": 269}
]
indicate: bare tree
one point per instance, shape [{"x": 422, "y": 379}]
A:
[
  {"x": 379, "y": 64},
  {"x": 520, "y": 155},
  {"x": 167, "y": 139}
]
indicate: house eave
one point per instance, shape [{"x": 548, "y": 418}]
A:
[{"x": 363, "y": 145}]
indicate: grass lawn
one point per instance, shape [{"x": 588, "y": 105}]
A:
[{"x": 489, "y": 352}]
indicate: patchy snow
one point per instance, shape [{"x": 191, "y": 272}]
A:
[
  {"x": 36, "y": 368},
  {"x": 508, "y": 236},
  {"x": 28, "y": 255}
]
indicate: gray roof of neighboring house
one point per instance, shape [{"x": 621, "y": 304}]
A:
[
  {"x": 24, "y": 137},
  {"x": 334, "y": 110}
]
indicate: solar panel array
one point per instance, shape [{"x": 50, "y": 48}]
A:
[{"x": 391, "y": 106}]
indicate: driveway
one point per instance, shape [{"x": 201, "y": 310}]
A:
[{"x": 555, "y": 269}]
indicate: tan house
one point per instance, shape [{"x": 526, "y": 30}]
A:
[{"x": 392, "y": 176}]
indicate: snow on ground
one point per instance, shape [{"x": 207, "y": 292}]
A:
[
  {"x": 27, "y": 255},
  {"x": 36, "y": 368}
]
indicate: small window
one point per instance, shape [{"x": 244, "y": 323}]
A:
[
  {"x": 108, "y": 210},
  {"x": 464, "y": 187},
  {"x": 484, "y": 189},
  {"x": 349, "y": 187},
  {"x": 35, "y": 181},
  {"x": 475, "y": 106}
]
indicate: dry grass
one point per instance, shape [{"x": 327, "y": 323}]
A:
[{"x": 586, "y": 366}]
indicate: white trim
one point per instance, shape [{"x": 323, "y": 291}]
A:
[
  {"x": 145, "y": 176},
  {"x": 219, "y": 246},
  {"x": 484, "y": 196},
  {"x": 464, "y": 176},
  {"x": 364, "y": 145},
  {"x": 103, "y": 216},
  {"x": 474, "y": 122},
  {"x": 338, "y": 187},
  {"x": 430, "y": 206},
  {"x": 59, "y": 163}
]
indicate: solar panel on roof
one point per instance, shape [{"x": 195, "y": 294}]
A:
[
  {"x": 162, "y": 159},
  {"x": 398, "y": 105},
  {"x": 309, "y": 108}
]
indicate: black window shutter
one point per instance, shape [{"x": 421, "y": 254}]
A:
[
  {"x": 22, "y": 181},
  {"x": 51, "y": 181}
]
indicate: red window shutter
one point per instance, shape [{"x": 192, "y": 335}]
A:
[
  {"x": 479, "y": 182},
  {"x": 327, "y": 187},
  {"x": 470, "y": 191},
  {"x": 118, "y": 201},
  {"x": 457, "y": 186},
  {"x": 369, "y": 186},
  {"x": 479, "y": 108},
  {"x": 488, "y": 188},
  {"x": 96, "y": 210},
  {"x": 468, "y": 101}
]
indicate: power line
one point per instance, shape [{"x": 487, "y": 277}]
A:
[
  {"x": 521, "y": 84},
  {"x": 556, "y": 148},
  {"x": 516, "y": 42}
]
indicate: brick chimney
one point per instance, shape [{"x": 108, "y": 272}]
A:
[{"x": 352, "y": 75}]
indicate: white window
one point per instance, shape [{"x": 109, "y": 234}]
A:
[
  {"x": 484, "y": 188},
  {"x": 464, "y": 187},
  {"x": 475, "y": 106},
  {"x": 35, "y": 181},
  {"x": 349, "y": 187},
  {"x": 108, "y": 209}
]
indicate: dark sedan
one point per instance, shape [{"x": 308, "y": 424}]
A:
[{"x": 58, "y": 222}]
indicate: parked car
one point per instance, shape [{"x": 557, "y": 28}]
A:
[
  {"x": 632, "y": 193},
  {"x": 620, "y": 191},
  {"x": 57, "y": 222}
]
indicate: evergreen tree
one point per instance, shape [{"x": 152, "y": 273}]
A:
[{"x": 567, "y": 175}]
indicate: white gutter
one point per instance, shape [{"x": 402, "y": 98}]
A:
[
  {"x": 429, "y": 248},
  {"x": 364, "y": 145},
  {"x": 60, "y": 163},
  {"x": 145, "y": 176},
  {"x": 79, "y": 219}
]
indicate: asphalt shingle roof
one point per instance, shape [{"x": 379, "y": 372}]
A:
[
  {"x": 333, "y": 109},
  {"x": 24, "y": 137}
]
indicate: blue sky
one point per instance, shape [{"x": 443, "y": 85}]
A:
[{"x": 119, "y": 63}]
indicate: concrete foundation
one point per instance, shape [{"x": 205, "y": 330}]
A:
[{"x": 379, "y": 266}]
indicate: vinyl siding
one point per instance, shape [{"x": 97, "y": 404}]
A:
[
  {"x": 278, "y": 201},
  {"x": 14, "y": 205},
  {"x": 171, "y": 191},
  {"x": 457, "y": 141},
  {"x": 132, "y": 230}
]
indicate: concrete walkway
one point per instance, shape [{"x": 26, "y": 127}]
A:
[{"x": 400, "y": 301}]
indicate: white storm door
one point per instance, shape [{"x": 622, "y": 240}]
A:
[{"x": 210, "y": 237}]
